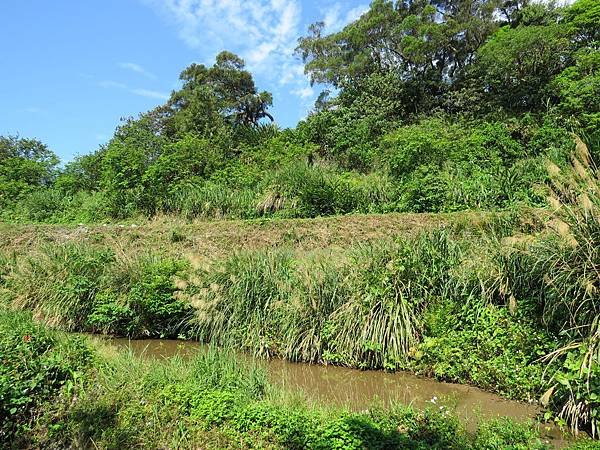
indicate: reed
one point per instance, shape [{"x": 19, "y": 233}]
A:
[
  {"x": 361, "y": 309},
  {"x": 79, "y": 287}
]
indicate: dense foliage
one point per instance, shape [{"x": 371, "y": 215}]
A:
[
  {"x": 512, "y": 313},
  {"x": 37, "y": 366},
  {"x": 429, "y": 106},
  {"x": 439, "y": 105},
  {"x": 72, "y": 395}
]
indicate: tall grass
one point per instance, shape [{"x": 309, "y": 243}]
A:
[
  {"x": 362, "y": 309},
  {"x": 388, "y": 288},
  {"x": 212, "y": 201},
  {"x": 556, "y": 274},
  {"x": 301, "y": 190},
  {"x": 320, "y": 288},
  {"x": 61, "y": 282},
  {"x": 571, "y": 266},
  {"x": 7, "y": 262},
  {"x": 83, "y": 288},
  {"x": 242, "y": 301}
]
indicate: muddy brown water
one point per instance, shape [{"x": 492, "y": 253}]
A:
[{"x": 359, "y": 390}]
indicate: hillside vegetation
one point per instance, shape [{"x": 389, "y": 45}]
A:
[
  {"x": 438, "y": 212},
  {"x": 437, "y": 105}
]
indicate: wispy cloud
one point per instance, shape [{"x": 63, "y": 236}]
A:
[
  {"x": 305, "y": 92},
  {"x": 335, "y": 18},
  {"x": 264, "y": 32},
  {"x": 150, "y": 94},
  {"x": 133, "y": 67},
  {"x": 109, "y": 84}
]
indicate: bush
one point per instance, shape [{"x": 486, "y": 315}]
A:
[
  {"x": 37, "y": 365},
  {"x": 82, "y": 288},
  {"x": 485, "y": 346},
  {"x": 505, "y": 434}
]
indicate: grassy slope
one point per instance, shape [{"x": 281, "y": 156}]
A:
[{"x": 215, "y": 239}]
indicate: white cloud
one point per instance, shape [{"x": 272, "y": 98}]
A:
[
  {"x": 33, "y": 110},
  {"x": 335, "y": 19},
  {"x": 355, "y": 13},
  {"x": 108, "y": 84},
  {"x": 150, "y": 94},
  {"x": 304, "y": 93},
  {"x": 263, "y": 32},
  {"x": 133, "y": 67}
]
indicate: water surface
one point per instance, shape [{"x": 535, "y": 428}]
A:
[{"x": 359, "y": 390}]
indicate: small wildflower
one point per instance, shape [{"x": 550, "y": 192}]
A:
[{"x": 27, "y": 338}]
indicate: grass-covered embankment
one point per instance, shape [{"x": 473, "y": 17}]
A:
[
  {"x": 510, "y": 312},
  {"x": 433, "y": 304},
  {"x": 59, "y": 392}
]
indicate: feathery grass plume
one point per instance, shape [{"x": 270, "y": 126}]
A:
[
  {"x": 582, "y": 152},
  {"x": 320, "y": 291},
  {"x": 566, "y": 264},
  {"x": 553, "y": 169},
  {"x": 273, "y": 202},
  {"x": 553, "y": 201}
]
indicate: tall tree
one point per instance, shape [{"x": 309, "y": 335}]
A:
[
  {"x": 516, "y": 65},
  {"x": 25, "y": 164},
  {"x": 427, "y": 44},
  {"x": 222, "y": 94}
]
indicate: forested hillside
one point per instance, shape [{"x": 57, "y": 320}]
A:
[{"x": 429, "y": 106}]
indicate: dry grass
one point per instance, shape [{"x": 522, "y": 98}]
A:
[{"x": 205, "y": 240}]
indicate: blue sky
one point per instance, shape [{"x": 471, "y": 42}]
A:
[{"x": 72, "y": 68}]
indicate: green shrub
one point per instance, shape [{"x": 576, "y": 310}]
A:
[
  {"x": 504, "y": 434},
  {"x": 36, "y": 366},
  {"x": 485, "y": 346},
  {"x": 82, "y": 288}
]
